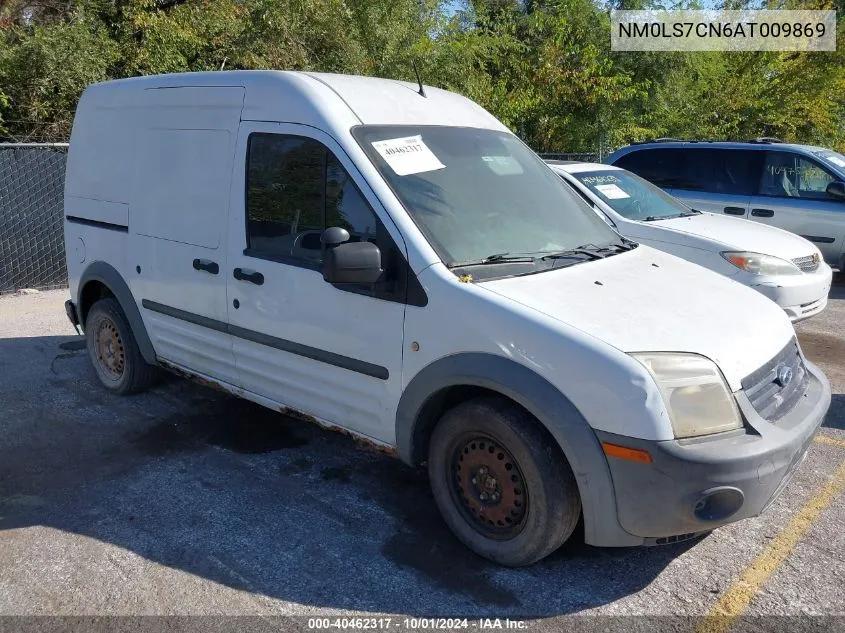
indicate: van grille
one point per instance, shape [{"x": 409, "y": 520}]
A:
[
  {"x": 808, "y": 264},
  {"x": 776, "y": 387}
]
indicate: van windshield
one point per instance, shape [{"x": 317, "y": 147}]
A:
[
  {"x": 481, "y": 197},
  {"x": 631, "y": 196}
]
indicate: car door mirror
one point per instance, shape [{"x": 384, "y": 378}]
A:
[
  {"x": 836, "y": 189},
  {"x": 346, "y": 262}
]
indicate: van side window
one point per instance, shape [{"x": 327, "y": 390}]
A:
[
  {"x": 296, "y": 189},
  {"x": 726, "y": 171},
  {"x": 788, "y": 175},
  {"x": 285, "y": 194},
  {"x": 345, "y": 206},
  {"x": 696, "y": 168},
  {"x": 659, "y": 166}
]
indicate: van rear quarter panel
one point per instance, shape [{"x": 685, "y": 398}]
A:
[
  {"x": 85, "y": 245},
  {"x": 157, "y": 160},
  {"x": 99, "y": 166}
]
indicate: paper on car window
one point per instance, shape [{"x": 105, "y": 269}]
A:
[
  {"x": 408, "y": 155},
  {"x": 836, "y": 161},
  {"x": 611, "y": 192},
  {"x": 503, "y": 165}
]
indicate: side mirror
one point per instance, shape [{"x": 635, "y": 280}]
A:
[
  {"x": 333, "y": 236},
  {"x": 347, "y": 262},
  {"x": 836, "y": 189}
]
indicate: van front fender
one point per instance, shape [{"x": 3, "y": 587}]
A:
[{"x": 553, "y": 410}]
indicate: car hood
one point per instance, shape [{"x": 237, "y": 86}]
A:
[
  {"x": 648, "y": 301},
  {"x": 741, "y": 235}
]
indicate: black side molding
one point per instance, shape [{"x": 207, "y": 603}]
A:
[
  {"x": 96, "y": 223},
  {"x": 820, "y": 240},
  {"x": 190, "y": 317},
  {"x": 314, "y": 353}
]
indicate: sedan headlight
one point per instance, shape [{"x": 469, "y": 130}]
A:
[
  {"x": 759, "y": 264},
  {"x": 696, "y": 395}
]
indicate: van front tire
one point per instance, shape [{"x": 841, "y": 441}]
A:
[
  {"x": 501, "y": 484},
  {"x": 114, "y": 352}
]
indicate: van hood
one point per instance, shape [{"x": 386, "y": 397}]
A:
[
  {"x": 649, "y": 301},
  {"x": 741, "y": 235}
]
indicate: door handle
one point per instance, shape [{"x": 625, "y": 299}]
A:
[
  {"x": 207, "y": 265},
  {"x": 251, "y": 276},
  {"x": 734, "y": 210},
  {"x": 762, "y": 213}
]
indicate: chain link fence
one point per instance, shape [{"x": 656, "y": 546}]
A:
[{"x": 32, "y": 248}]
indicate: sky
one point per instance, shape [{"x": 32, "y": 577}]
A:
[{"x": 452, "y": 6}]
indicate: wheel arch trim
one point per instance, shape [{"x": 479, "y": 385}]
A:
[
  {"x": 107, "y": 275},
  {"x": 552, "y": 409}
]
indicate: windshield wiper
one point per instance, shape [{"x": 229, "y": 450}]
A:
[
  {"x": 588, "y": 251},
  {"x": 498, "y": 258},
  {"x": 683, "y": 214},
  {"x": 591, "y": 251},
  {"x": 625, "y": 245}
]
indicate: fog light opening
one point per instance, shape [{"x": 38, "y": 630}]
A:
[{"x": 718, "y": 504}]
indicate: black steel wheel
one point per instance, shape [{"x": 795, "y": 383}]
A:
[
  {"x": 501, "y": 483},
  {"x": 488, "y": 486},
  {"x": 113, "y": 351}
]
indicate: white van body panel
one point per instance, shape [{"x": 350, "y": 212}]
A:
[
  {"x": 82, "y": 247},
  {"x": 116, "y": 213},
  {"x": 178, "y": 213},
  {"x": 700, "y": 306},
  {"x": 297, "y": 305},
  {"x": 610, "y": 389},
  {"x": 159, "y": 161}
]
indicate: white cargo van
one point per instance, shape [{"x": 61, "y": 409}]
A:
[{"x": 390, "y": 260}]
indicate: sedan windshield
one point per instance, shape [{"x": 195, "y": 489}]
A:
[
  {"x": 482, "y": 198},
  {"x": 631, "y": 196}
]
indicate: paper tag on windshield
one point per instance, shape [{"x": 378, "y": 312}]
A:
[
  {"x": 503, "y": 165},
  {"x": 408, "y": 155},
  {"x": 836, "y": 161},
  {"x": 611, "y": 192}
]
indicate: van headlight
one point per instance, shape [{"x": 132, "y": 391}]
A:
[
  {"x": 759, "y": 264},
  {"x": 694, "y": 391}
]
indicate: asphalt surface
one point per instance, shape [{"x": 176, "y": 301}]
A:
[{"x": 185, "y": 501}]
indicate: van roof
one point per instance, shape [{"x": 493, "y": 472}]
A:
[{"x": 316, "y": 98}]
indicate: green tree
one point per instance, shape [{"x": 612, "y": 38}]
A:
[{"x": 43, "y": 70}]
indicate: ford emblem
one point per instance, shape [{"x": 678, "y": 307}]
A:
[{"x": 784, "y": 375}]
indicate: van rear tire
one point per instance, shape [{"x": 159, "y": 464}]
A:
[
  {"x": 501, "y": 483},
  {"x": 114, "y": 352}
]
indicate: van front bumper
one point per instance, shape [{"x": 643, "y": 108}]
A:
[{"x": 698, "y": 484}]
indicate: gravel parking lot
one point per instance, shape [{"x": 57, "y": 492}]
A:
[{"x": 184, "y": 501}]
